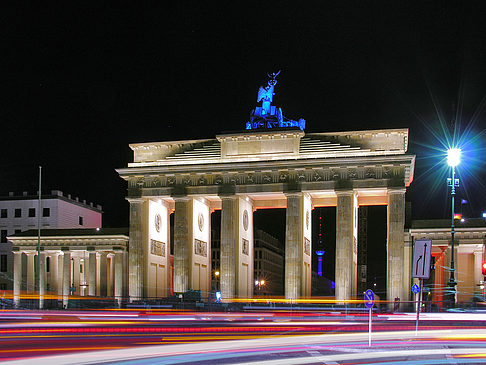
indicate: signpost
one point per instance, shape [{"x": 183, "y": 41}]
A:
[
  {"x": 422, "y": 250},
  {"x": 369, "y": 302}
]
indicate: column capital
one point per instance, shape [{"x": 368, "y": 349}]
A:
[
  {"x": 346, "y": 192},
  {"x": 391, "y": 191},
  {"x": 135, "y": 200},
  {"x": 294, "y": 194},
  {"x": 228, "y": 197},
  {"x": 181, "y": 199}
]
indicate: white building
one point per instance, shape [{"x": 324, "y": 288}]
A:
[{"x": 19, "y": 213}]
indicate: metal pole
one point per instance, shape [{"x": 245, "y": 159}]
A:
[
  {"x": 38, "y": 238},
  {"x": 418, "y": 307},
  {"x": 369, "y": 328},
  {"x": 452, "y": 280}
]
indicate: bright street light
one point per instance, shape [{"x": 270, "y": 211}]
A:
[{"x": 453, "y": 157}]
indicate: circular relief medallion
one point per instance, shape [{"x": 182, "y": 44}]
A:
[
  {"x": 200, "y": 221},
  {"x": 245, "y": 220},
  {"x": 307, "y": 219},
  {"x": 158, "y": 221}
]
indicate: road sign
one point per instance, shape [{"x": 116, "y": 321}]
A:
[
  {"x": 421, "y": 259},
  {"x": 369, "y": 298},
  {"x": 415, "y": 289}
]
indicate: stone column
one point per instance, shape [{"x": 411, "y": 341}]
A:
[
  {"x": 17, "y": 277},
  {"x": 60, "y": 274},
  {"x": 135, "y": 252},
  {"x": 92, "y": 273},
  {"x": 346, "y": 245},
  {"x": 293, "y": 246},
  {"x": 229, "y": 220},
  {"x": 53, "y": 272},
  {"x": 182, "y": 243},
  {"x": 66, "y": 278},
  {"x": 76, "y": 274},
  {"x": 42, "y": 278},
  {"x": 103, "y": 274},
  {"x": 118, "y": 276},
  {"x": 395, "y": 244},
  {"x": 478, "y": 275},
  {"x": 30, "y": 272}
]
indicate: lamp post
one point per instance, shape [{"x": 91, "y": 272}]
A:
[{"x": 453, "y": 159}]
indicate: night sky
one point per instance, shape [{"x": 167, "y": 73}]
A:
[{"x": 80, "y": 83}]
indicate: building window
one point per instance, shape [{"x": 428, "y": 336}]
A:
[
  {"x": 3, "y": 286},
  {"x": 18, "y": 213},
  {"x": 3, "y": 213},
  {"x": 48, "y": 264},
  {"x": 81, "y": 221},
  {"x": 46, "y": 212},
  {"x": 31, "y": 212},
  {"x": 3, "y": 238},
  {"x": 3, "y": 263}
]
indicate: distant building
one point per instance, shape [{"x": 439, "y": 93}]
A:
[
  {"x": 77, "y": 262},
  {"x": 19, "y": 213},
  {"x": 269, "y": 264},
  {"x": 470, "y": 243}
]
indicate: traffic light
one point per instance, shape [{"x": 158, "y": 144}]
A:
[{"x": 483, "y": 268}]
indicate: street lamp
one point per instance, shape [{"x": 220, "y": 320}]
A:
[
  {"x": 453, "y": 159},
  {"x": 259, "y": 284}
]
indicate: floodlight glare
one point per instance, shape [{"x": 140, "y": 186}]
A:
[{"x": 453, "y": 157}]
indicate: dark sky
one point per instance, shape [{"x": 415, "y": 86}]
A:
[{"x": 80, "y": 83}]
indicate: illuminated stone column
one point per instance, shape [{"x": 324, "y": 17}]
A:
[
  {"x": 103, "y": 274},
  {"x": 182, "y": 243},
  {"x": 395, "y": 244},
  {"x": 92, "y": 273},
  {"x": 60, "y": 274},
  {"x": 76, "y": 274},
  {"x": 66, "y": 277},
  {"x": 346, "y": 244},
  {"x": 228, "y": 246},
  {"x": 42, "y": 278},
  {"x": 135, "y": 252},
  {"x": 478, "y": 276},
  {"x": 30, "y": 272},
  {"x": 118, "y": 279},
  {"x": 17, "y": 277},
  {"x": 53, "y": 272}
]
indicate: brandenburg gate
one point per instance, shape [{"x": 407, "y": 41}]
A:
[{"x": 272, "y": 164}]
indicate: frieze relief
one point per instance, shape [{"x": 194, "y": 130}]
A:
[
  {"x": 307, "y": 248},
  {"x": 200, "y": 248},
  {"x": 157, "y": 248},
  {"x": 245, "y": 247},
  {"x": 268, "y": 177}
]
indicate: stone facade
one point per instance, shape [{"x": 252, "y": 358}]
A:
[
  {"x": 241, "y": 172},
  {"x": 83, "y": 262}
]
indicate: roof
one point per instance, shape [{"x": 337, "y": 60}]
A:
[
  {"x": 446, "y": 223},
  {"x": 76, "y": 232}
]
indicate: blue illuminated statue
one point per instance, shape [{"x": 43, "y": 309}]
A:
[{"x": 268, "y": 116}]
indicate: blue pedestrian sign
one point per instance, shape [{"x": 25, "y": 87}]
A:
[
  {"x": 369, "y": 298},
  {"x": 415, "y": 289}
]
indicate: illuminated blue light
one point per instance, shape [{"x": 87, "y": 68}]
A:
[{"x": 269, "y": 116}]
